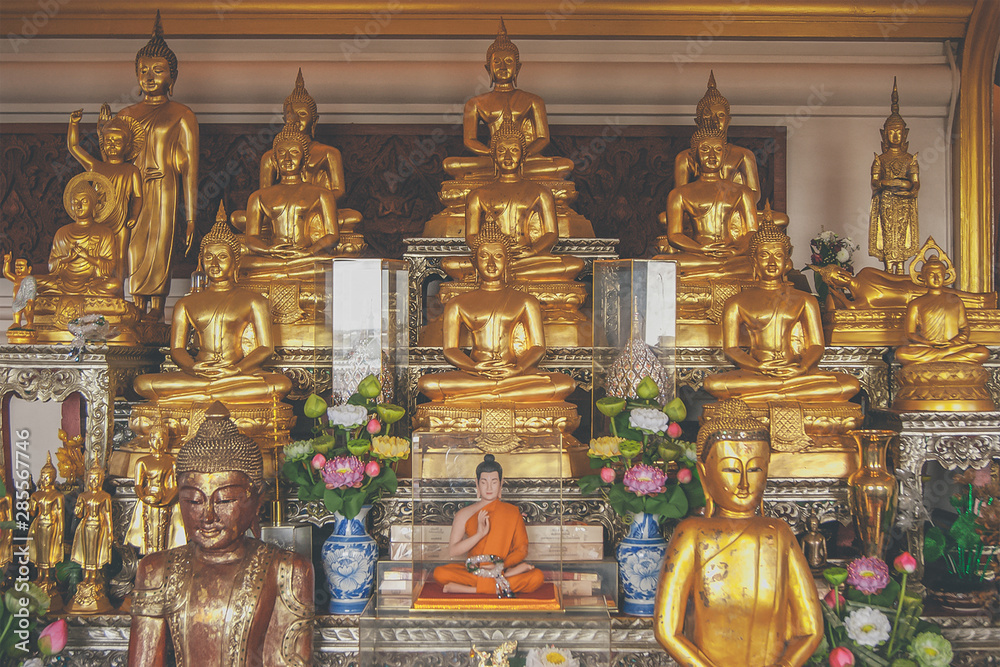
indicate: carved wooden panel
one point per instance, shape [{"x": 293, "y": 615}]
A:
[{"x": 393, "y": 173}]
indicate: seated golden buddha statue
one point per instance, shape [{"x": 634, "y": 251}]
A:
[
  {"x": 710, "y": 219},
  {"x": 523, "y": 210},
  {"x": 942, "y": 370},
  {"x": 84, "y": 267},
  {"x": 488, "y": 528},
  {"x": 324, "y": 166},
  {"x": 527, "y": 111},
  {"x": 224, "y": 598},
  {"x": 742, "y": 575},
  {"x": 302, "y": 218}
]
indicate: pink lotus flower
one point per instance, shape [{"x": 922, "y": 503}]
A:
[
  {"x": 53, "y": 638},
  {"x": 342, "y": 471},
  {"x": 374, "y": 426},
  {"x": 674, "y": 430},
  {"x": 868, "y": 575},
  {"x": 373, "y": 469},
  {"x": 644, "y": 480},
  {"x": 905, "y": 563},
  {"x": 828, "y": 599},
  {"x": 318, "y": 462},
  {"x": 607, "y": 475},
  {"x": 684, "y": 475},
  {"x": 841, "y": 657}
]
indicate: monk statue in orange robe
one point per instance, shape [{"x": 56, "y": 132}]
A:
[{"x": 491, "y": 534}]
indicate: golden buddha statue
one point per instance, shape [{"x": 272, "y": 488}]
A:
[
  {"x": 219, "y": 316},
  {"x": 709, "y": 220},
  {"x": 92, "y": 545},
  {"x": 942, "y": 370},
  {"x": 523, "y": 210},
  {"x": 224, "y": 598},
  {"x": 814, "y": 544},
  {"x": 323, "y": 166},
  {"x": 23, "y": 307},
  {"x": 784, "y": 332},
  {"x": 507, "y": 338},
  {"x": 82, "y": 259},
  {"x": 156, "y": 488},
  {"x": 45, "y": 534},
  {"x": 527, "y": 112},
  {"x": 169, "y": 165},
  {"x": 302, "y": 218},
  {"x": 894, "y": 231},
  {"x": 751, "y": 593},
  {"x": 121, "y": 140},
  {"x": 489, "y": 528}
]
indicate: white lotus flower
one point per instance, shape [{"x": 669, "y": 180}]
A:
[
  {"x": 550, "y": 657},
  {"x": 867, "y": 626},
  {"x": 648, "y": 419},
  {"x": 347, "y": 415}
]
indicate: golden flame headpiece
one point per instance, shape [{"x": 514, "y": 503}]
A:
[
  {"x": 490, "y": 232},
  {"x": 300, "y": 94},
  {"x": 706, "y": 132},
  {"x": 291, "y": 133},
  {"x": 894, "y": 120},
  {"x": 218, "y": 446},
  {"x": 731, "y": 421},
  {"x": 157, "y": 47},
  {"x": 508, "y": 130},
  {"x": 768, "y": 232},
  {"x": 502, "y": 43},
  {"x": 221, "y": 233},
  {"x": 711, "y": 97}
]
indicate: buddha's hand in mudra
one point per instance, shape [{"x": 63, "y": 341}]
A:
[
  {"x": 717, "y": 249},
  {"x": 483, "y": 524},
  {"x": 497, "y": 369},
  {"x": 286, "y": 251},
  {"x": 780, "y": 368},
  {"x": 214, "y": 370}
]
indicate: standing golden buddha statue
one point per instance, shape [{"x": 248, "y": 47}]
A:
[
  {"x": 45, "y": 534},
  {"x": 941, "y": 370},
  {"x": 156, "y": 489},
  {"x": 743, "y": 576},
  {"x": 224, "y": 598},
  {"x": 169, "y": 165},
  {"x": 92, "y": 545},
  {"x": 778, "y": 375},
  {"x": 894, "y": 231},
  {"x": 527, "y": 111}
]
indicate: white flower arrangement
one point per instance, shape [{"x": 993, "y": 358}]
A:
[
  {"x": 550, "y": 656},
  {"x": 649, "y": 419},
  {"x": 867, "y": 626},
  {"x": 347, "y": 415}
]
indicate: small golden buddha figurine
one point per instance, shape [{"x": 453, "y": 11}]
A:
[
  {"x": 82, "y": 260},
  {"x": 45, "y": 535},
  {"x": 507, "y": 338},
  {"x": 92, "y": 545},
  {"x": 121, "y": 140},
  {"x": 814, "y": 544},
  {"x": 219, "y": 317},
  {"x": 156, "y": 488},
  {"x": 784, "y": 332},
  {"x": 169, "y": 165},
  {"x": 527, "y": 110},
  {"x": 25, "y": 291},
  {"x": 523, "y": 210},
  {"x": 302, "y": 218},
  {"x": 323, "y": 165},
  {"x": 894, "y": 231},
  {"x": 709, "y": 220},
  {"x": 489, "y": 527},
  {"x": 224, "y": 598},
  {"x": 751, "y": 593},
  {"x": 6, "y": 534}
]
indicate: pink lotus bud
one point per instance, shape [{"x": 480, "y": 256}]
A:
[
  {"x": 905, "y": 563},
  {"x": 53, "y": 638},
  {"x": 318, "y": 462},
  {"x": 841, "y": 657},
  {"x": 684, "y": 475},
  {"x": 374, "y": 426},
  {"x": 607, "y": 475},
  {"x": 828, "y": 599},
  {"x": 674, "y": 430},
  {"x": 373, "y": 469}
]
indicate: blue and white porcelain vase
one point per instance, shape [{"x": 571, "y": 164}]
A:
[
  {"x": 640, "y": 556},
  {"x": 349, "y": 557}
]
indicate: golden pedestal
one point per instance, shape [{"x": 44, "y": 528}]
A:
[
  {"x": 451, "y": 221},
  {"x": 699, "y": 310},
  {"x": 264, "y": 423},
  {"x": 351, "y": 244},
  {"x": 943, "y": 387},
  {"x": 297, "y": 311},
  {"x": 455, "y": 455},
  {"x": 562, "y": 321},
  {"x": 19, "y": 336},
  {"x": 90, "y": 599},
  {"x": 808, "y": 441},
  {"x": 54, "y": 312},
  {"x": 885, "y": 327}
]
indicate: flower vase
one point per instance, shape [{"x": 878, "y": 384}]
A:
[
  {"x": 640, "y": 556},
  {"x": 873, "y": 491},
  {"x": 822, "y": 289},
  {"x": 349, "y": 557}
]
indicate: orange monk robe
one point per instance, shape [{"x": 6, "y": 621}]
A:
[{"x": 508, "y": 539}]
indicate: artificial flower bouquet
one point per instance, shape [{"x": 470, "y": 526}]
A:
[
  {"x": 351, "y": 461},
  {"x": 832, "y": 248},
  {"x": 635, "y": 462},
  {"x": 875, "y": 622}
]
